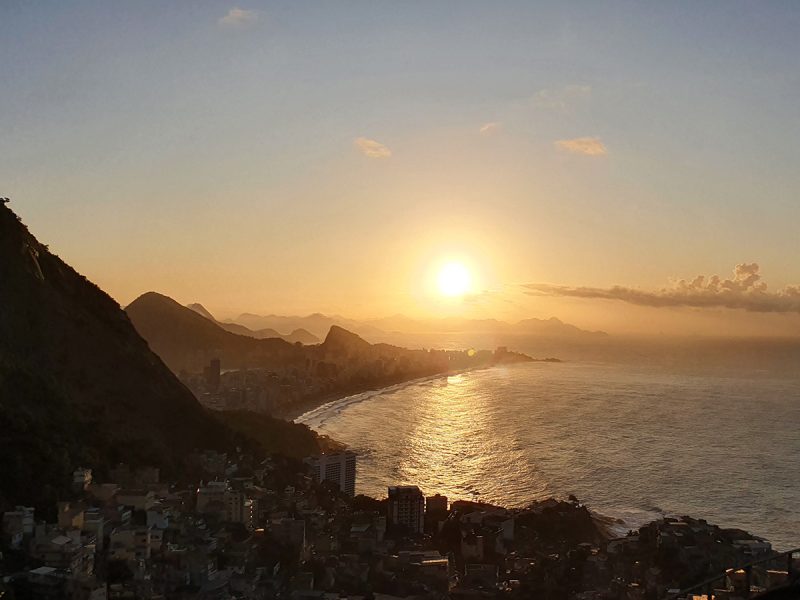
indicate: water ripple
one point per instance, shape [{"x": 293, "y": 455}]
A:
[{"x": 632, "y": 444}]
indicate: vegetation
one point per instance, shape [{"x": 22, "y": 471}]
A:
[{"x": 274, "y": 436}]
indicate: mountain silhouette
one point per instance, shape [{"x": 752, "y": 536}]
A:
[
  {"x": 298, "y": 335},
  {"x": 316, "y": 324},
  {"x": 201, "y": 310},
  {"x": 78, "y": 384},
  {"x": 344, "y": 363},
  {"x": 187, "y": 341}
]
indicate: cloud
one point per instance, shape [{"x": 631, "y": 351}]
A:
[
  {"x": 561, "y": 98},
  {"x": 745, "y": 291},
  {"x": 490, "y": 128},
  {"x": 372, "y": 148},
  {"x": 589, "y": 146},
  {"x": 238, "y": 18}
]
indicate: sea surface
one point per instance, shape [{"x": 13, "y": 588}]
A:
[{"x": 633, "y": 443}]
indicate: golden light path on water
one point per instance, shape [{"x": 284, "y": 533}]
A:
[
  {"x": 633, "y": 443},
  {"x": 450, "y": 446},
  {"x": 442, "y": 440}
]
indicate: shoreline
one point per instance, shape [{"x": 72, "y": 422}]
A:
[
  {"x": 304, "y": 407},
  {"x": 609, "y": 525},
  {"x": 296, "y": 410}
]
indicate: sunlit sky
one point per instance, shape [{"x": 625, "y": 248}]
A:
[{"x": 299, "y": 157}]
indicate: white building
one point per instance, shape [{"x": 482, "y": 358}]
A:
[{"x": 339, "y": 468}]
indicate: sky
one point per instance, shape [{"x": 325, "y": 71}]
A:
[{"x": 580, "y": 159}]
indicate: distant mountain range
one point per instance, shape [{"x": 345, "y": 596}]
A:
[
  {"x": 377, "y": 330},
  {"x": 317, "y": 324},
  {"x": 188, "y": 337},
  {"x": 284, "y": 374},
  {"x": 80, "y": 387},
  {"x": 187, "y": 341},
  {"x": 548, "y": 327},
  {"x": 300, "y": 335}
]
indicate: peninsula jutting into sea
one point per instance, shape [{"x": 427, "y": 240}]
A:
[{"x": 122, "y": 484}]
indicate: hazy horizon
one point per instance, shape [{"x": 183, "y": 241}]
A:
[
  {"x": 589, "y": 163},
  {"x": 698, "y": 326}
]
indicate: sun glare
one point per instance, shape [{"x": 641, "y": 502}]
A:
[{"x": 454, "y": 279}]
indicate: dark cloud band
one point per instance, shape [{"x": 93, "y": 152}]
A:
[{"x": 744, "y": 291}]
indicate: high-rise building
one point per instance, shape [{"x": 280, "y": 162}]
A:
[
  {"x": 407, "y": 507},
  {"x": 234, "y": 506},
  {"x": 211, "y": 374},
  {"x": 436, "y": 505},
  {"x": 339, "y": 468}
]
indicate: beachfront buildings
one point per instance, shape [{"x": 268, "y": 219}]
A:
[
  {"x": 436, "y": 505},
  {"x": 114, "y": 543},
  {"x": 339, "y": 468},
  {"x": 407, "y": 507}
]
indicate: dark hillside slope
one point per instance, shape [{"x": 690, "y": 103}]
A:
[{"x": 78, "y": 385}]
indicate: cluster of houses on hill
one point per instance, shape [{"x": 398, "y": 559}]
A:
[{"x": 283, "y": 529}]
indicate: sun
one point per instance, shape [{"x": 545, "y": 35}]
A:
[{"x": 454, "y": 279}]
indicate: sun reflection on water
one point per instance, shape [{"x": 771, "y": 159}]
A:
[
  {"x": 604, "y": 433},
  {"x": 441, "y": 439}
]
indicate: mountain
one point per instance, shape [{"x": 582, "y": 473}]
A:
[
  {"x": 274, "y": 376},
  {"x": 303, "y": 336},
  {"x": 298, "y": 335},
  {"x": 187, "y": 341},
  {"x": 554, "y": 327},
  {"x": 315, "y": 324},
  {"x": 388, "y": 328},
  {"x": 78, "y": 385},
  {"x": 546, "y": 327},
  {"x": 343, "y": 341},
  {"x": 202, "y": 311}
]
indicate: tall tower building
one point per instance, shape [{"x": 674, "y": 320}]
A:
[
  {"x": 212, "y": 374},
  {"x": 436, "y": 505},
  {"x": 407, "y": 507},
  {"x": 339, "y": 468}
]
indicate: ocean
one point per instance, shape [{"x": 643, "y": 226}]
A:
[{"x": 634, "y": 443}]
